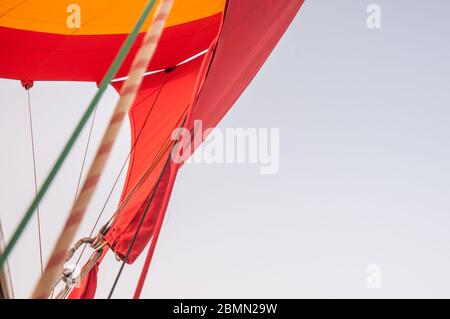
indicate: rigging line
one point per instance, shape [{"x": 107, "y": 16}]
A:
[
  {"x": 161, "y": 214},
  {"x": 86, "y": 149},
  {"x": 150, "y": 167},
  {"x": 114, "y": 67},
  {"x": 128, "y": 93},
  {"x": 127, "y": 255},
  {"x": 136, "y": 187},
  {"x": 38, "y": 213},
  {"x": 124, "y": 163},
  {"x": 139, "y": 183},
  {"x": 141, "y": 222},
  {"x": 159, "y": 156},
  {"x": 142, "y": 178},
  {"x": 84, "y": 247},
  {"x": 7, "y": 268},
  {"x": 195, "y": 56},
  {"x": 79, "y": 182}
]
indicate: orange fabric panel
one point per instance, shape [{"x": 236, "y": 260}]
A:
[
  {"x": 96, "y": 16},
  {"x": 34, "y": 56}
]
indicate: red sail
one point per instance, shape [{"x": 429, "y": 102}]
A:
[{"x": 250, "y": 31}]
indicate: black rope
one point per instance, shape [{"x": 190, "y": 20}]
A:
[
  {"x": 86, "y": 150},
  {"x": 141, "y": 222},
  {"x": 124, "y": 164}
]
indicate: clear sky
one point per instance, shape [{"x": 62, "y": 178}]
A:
[{"x": 364, "y": 169}]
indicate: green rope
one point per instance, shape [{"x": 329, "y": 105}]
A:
[{"x": 114, "y": 67}]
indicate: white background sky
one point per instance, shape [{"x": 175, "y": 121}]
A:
[{"x": 364, "y": 177}]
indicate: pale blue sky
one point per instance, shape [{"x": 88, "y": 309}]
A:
[{"x": 364, "y": 178}]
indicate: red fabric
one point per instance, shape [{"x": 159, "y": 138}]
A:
[
  {"x": 33, "y": 56},
  {"x": 250, "y": 31},
  {"x": 164, "y": 100},
  {"x": 164, "y": 190},
  {"x": 87, "y": 287}
]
